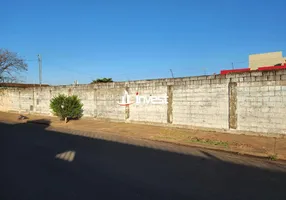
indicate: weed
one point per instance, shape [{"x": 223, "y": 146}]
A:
[
  {"x": 272, "y": 157},
  {"x": 208, "y": 141}
]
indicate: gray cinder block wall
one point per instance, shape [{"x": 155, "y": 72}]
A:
[{"x": 252, "y": 101}]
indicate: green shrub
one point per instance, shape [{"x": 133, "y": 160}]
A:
[{"x": 67, "y": 107}]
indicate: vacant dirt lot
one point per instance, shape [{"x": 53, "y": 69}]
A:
[
  {"x": 44, "y": 162},
  {"x": 252, "y": 145}
]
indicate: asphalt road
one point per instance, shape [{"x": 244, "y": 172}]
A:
[{"x": 40, "y": 164}]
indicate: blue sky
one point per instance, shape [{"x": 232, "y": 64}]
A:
[{"x": 139, "y": 39}]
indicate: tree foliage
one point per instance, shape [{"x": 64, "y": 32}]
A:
[
  {"x": 67, "y": 107},
  {"x": 102, "y": 80},
  {"x": 10, "y": 65}
]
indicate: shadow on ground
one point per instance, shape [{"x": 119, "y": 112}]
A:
[{"x": 40, "y": 164}]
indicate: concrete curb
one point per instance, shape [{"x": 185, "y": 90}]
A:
[{"x": 251, "y": 154}]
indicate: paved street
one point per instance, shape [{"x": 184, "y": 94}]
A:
[{"x": 40, "y": 163}]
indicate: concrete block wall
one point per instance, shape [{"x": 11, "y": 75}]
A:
[
  {"x": 9, "y": 100},
  {"x": 262, "y": 104},
  {"x": 201, "y": 103},
  {"x": 25, "y": 100},
  {"x": 106, "y": 105},
  {"x": 252, "y": 101},
  {"x": 42, "y": 99},
  {"x": 148, "y": 112}
]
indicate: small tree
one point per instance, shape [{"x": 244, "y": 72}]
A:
[
  {"x": 102, "y": 80},
  {"x": 67, "y": 107}
]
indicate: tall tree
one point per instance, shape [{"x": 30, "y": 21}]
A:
[{"x": 10, "y": 65}]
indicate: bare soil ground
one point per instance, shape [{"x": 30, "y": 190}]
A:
[
  {"x": 270, "y": 147},
  {"x": 43, "y": 162}
]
